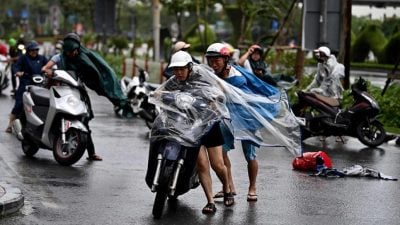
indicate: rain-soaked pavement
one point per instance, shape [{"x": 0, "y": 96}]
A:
[{"x": 114, "y": 192}]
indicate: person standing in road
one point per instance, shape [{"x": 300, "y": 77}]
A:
[
  {"x": 26, "y": 66},
  {"x": 218, "y": 56},
  {"x": 259, "y": 112}
]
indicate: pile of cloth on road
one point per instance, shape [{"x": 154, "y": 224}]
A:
[{"x": 353, "y": 171}]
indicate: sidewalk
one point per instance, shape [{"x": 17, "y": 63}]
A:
[{"x": 11, "y": 199}]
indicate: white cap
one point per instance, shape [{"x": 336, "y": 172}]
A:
[
  {"x": 180, "y": 45},
  {"x": 325, "y": 50},
  {"x": 180, "y": 59}
]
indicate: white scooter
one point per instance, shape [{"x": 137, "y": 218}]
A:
[
  {"x": 4, "y": 82},
  {"x": 56, "y": 118},
  {"x": 137, "y": 91}
]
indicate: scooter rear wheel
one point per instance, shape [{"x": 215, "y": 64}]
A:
[
  {"x": 73, "y": 149},
  {"x": 159, "y": 203},
  {"x": 371, "y": 134}
]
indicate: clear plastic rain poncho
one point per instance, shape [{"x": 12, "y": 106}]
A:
[
  {"x": 327, "y": 79},
  {"x": 190, "y": 108}
]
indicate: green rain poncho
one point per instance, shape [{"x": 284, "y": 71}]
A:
[{"x": 94, "y": 72}]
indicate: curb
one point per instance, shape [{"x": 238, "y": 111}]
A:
[{"x": 11, "y": 199}]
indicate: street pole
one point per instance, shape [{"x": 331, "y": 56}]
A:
[
  {"x": 323, "y": 23},
  {"x": 156, "y": 29},
  {"x": 346, "y": 34}
]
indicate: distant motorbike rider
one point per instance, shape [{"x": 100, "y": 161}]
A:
[
  {"x": 15, "y": 50},
  {"x": 94, "y": 72},
  {"x": 327, "y": 80},
  {"x": 253, "y": 61},
  {"x": 27, "y": 65}
]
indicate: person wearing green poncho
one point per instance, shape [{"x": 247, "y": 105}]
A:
[{"x": 94, "y": 72}]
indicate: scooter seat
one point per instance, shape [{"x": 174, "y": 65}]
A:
[
  {"x": 40, "y": 96},
  {"x": 327, "y": 100}
]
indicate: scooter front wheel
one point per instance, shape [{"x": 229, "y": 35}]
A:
[
  {"x": 72, "y": 150},
  {"x": 29, "y": 148},
  {"x": 159, "y": 203},
  {"x": 371, "y": 133}
]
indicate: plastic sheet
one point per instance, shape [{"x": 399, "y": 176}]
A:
[{"x": 189, "y": 108}]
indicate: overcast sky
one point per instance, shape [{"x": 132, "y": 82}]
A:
[{"x": 377, "y": 13}]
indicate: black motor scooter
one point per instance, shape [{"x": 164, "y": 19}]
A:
[
  {"x": 324, "y": 117},
  {"x": 174, "y": 147}
]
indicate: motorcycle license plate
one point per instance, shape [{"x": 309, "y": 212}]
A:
[{"x": 171, "y": 151}]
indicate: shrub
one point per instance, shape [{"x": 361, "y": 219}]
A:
[
  {"x": 372, "y": 39},
  {"x": 390, "y": 54}
]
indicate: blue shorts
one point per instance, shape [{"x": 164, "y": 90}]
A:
[{"x": 249, "y": 150}]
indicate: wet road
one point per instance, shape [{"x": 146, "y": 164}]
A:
[{"x": 114, "y": 192}]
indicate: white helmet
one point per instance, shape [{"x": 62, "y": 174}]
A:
[
  {"x": 217, "y": 50},
  {"x": 324, "y": 50},
  {"x": 180, "y": 59}
]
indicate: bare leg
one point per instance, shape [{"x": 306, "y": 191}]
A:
[
  {"x": 228, "y": 165},
  {"x": 203, "y": 168},
  {"x": 217, "y": 164},
  {"x": 252, "y": 169}
]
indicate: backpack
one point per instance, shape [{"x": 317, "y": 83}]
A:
[{"x": 312, "y": 161}]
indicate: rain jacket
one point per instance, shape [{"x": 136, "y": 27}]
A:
[{"x": 96, "y": 74}]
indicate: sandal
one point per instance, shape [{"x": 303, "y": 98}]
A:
[
  {"x": 209, "y": 208},
  {"x": 251, "y": 197},
  {"x": 94, "y": 158},
  {"x": 220, "y": 194},
  {"x": 229, "y": 200}
]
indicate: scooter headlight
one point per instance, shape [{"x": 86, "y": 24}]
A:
[{"x": 72, "y": 101}]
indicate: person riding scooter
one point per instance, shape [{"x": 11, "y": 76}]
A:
[
  {"x": 326, "y": 83},
  {"x": 193, "y": 93},
  {"x": 94, "y": 72},
  {"x": 27, "y": 65}
]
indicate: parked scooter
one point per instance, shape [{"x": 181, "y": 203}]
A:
[
  {"x": 137, "y": 90},
  {"x": 174, "y": 147},
  {"x": 56, "y": 118},
  {"x": 4, "y": 81},
  {"x": 324, "y": 117}
]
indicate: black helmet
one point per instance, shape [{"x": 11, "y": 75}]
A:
[
  {"x": 33, "y": 45},
  {"x": 73, "y": 36},
  {"x": 71, "y": 42}
]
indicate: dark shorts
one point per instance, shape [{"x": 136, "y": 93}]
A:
[{"x": 214, "y": 137}]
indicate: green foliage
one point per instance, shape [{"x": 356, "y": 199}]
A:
[
  {"x": 200, "y": 41},
  {"x": 391, "y": 52},
  {"x": 89, "y": 38},
  {"x": 391, "y": 26},
  {"x": 372, "y": 39},
  {"x": 389, "y": 103},
  {"x": 115, "y": 62},
  {"x": 119, "y": 42}
]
